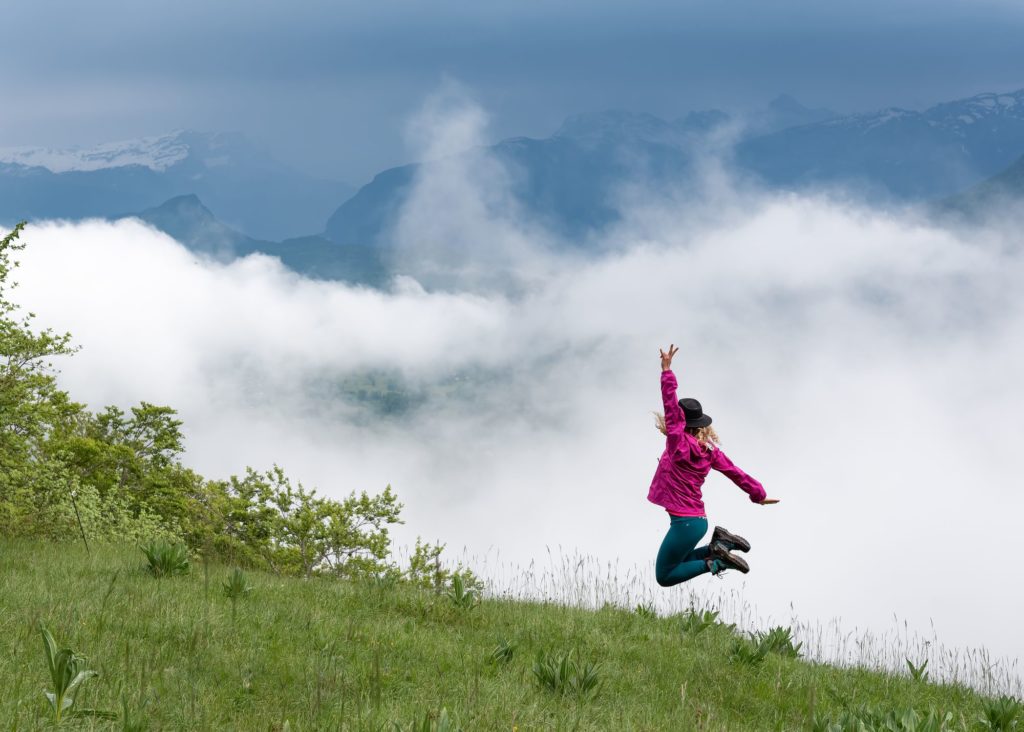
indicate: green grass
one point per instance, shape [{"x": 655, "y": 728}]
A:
[{"x": 329, "y": 655}]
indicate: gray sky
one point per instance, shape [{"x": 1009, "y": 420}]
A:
[{"x": 328, "y": 86}]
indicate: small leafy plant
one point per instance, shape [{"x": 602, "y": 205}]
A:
[
  {"x": 464, "y": 598},
  {"x": 565, "y": 675},
  {"x": 645, "y": 610},
  {"x": 695, "y": 623},
  {"x": 443, "y": 723},
  {"x": 236, "y": 586},
  {"x": 1002, "y": 713},
  {"x": 779, "y": 640},
  {"x": 917, "y": 673},
  {"x": 744, "y": 650},
  {"x": 67, "y": 674},
  {"x": 166, "y": 559},
  {"x": 893, "y": 720},
  {"x": 502, "y": 652}
]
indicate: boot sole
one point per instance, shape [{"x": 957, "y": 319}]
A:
[
  {"x": 728, "y": 559},
  {"x": 722, "y": 535}
]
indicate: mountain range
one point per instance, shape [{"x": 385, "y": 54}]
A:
[
  {"x": 895, "y": 152},
  {"x": 188, "y": 221},
  {"x": 250, "y": 190},
  {"x": 963, "y": 155}
]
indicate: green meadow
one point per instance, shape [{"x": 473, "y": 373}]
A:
[{"x": 291, "y": 653}]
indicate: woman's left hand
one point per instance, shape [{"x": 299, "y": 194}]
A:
[{"x": 666, "y": 358}]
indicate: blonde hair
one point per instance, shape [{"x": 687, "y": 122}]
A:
[{"x": 706, "y": 436}]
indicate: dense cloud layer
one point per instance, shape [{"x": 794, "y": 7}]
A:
[{"x": 864, "y": 366}]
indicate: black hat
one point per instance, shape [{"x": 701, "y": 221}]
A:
[{"x": 695, "y": 416}]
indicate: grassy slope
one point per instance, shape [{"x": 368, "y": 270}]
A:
[{"x": 325, "y": 654}]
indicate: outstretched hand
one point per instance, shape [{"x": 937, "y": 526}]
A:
[
  {"x": 769, "y": 501},
  {"x": 666, "y": 358}
]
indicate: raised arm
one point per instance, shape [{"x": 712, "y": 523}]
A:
[
  {"x": 675, "y": 421},
  {"x": 721, "y": 462}
]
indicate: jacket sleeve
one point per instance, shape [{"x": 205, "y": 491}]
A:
[
  {"x": 675, "y": 420},
  {"x": 721, "y": 463}
]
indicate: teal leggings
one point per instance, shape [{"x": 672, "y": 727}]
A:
[{"x": 679, "y": 558}]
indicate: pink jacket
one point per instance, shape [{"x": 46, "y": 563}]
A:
[{"x": 685, "y": 464}]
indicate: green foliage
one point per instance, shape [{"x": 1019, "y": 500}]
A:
[
  {"x": 123, "y": 471},
  {"x": 427, "y": 571},
  {"x": 753, "y": 649},
  {"x": 236, "y": 586},
  {"x": 263, "y": 521},
  {"x": 874, "y": 719},
  {"x": 462, "y": 597},
  {"x": 67, "y": 674},
  {"x": 695, "y": 623},
  {"x": 1002, "y": 713},
  {"x": 917, "y": 673},
  {"x": 326, "y": 655},
  {"x": 645, "y": 610},
  {"x": 166, "y": 559},
  {"x": 563, "y": 674},
  {"x": 443, "y": 723},
  {"x": 745, "y": 651},
  {"x": 779, "y": 640},
  {"x": 502, "y": 653}
]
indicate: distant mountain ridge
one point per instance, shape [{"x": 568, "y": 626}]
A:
[
  {"x": 188, "y": 221},
  {"x": 570, "y": 181},
  {"x": 895, "y": 152},
  {"x": 990, "y": 199},
  {"x": 155, "y": 153},
  {"x": 251, "y": 190}
]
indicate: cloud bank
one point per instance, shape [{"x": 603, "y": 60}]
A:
[{"x": 863, "y": 365}]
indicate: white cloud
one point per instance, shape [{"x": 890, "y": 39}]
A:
[{"x": 864, "y": 366}]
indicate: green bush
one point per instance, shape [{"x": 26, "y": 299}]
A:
[{"x": 123, "y": 472}]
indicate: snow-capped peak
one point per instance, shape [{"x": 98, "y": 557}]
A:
[{"x": 156, "y": 153}]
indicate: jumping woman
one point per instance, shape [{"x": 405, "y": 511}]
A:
[{"x": 691, "y": 451}]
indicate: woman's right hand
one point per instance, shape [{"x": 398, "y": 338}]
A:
[
  {"x": 666, "y": 358},
  {"x": 768, "y": 501}
]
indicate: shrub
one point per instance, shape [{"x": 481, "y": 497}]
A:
[{"x": 427, "y": 570}]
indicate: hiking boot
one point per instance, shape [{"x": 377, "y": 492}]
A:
[
  {"x": 725, "y": 559},
  {"x": 732, "y": 541}
]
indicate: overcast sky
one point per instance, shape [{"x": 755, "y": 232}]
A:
[{"x": 328, "y": 85}]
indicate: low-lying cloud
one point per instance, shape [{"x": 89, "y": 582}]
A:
[{"x": 865, "y": 366}]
